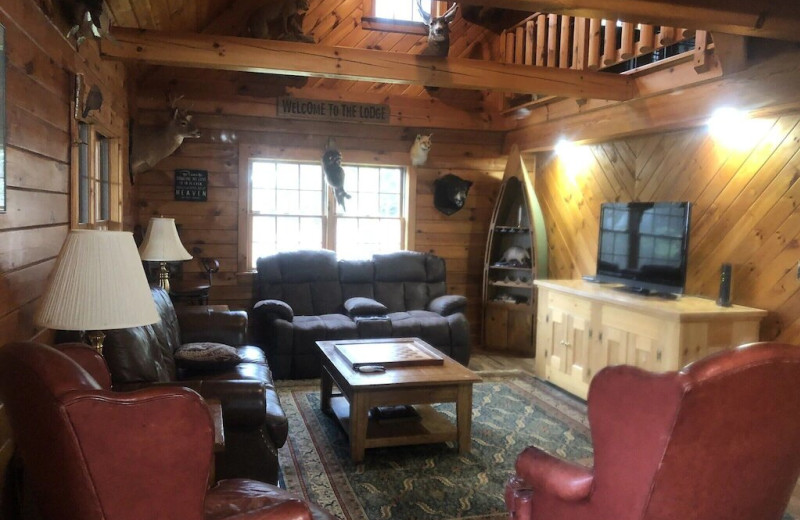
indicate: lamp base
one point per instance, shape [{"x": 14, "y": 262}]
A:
[
  {"x": 96, "y": 338},
  {"x": 163, "y": 276}
]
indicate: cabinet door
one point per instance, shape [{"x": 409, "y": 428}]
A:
[
  {"x": 632, "y": 338},
  {"x": 567, "y": 360}
]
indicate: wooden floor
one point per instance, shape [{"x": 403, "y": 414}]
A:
[
  {"x": 481, "y": 361},
  {"x": 493, "y": 361}
]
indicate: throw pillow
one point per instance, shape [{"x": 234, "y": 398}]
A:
[
  {"x": 360, "y": 306},
  {"x": 206, "y": 356}
]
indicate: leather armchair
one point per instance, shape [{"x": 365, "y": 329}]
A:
[
  {"x": 92, "y": 454},
  {"x": 255, "y": 424},
  {"x": 718, "y": 439}
]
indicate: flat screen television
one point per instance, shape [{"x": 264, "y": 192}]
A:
[{"x": 644, "y": 245}]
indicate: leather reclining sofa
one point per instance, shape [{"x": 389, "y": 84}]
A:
[
  {"x": 306, "y": 296},
  {"x": 254, "y": 423}
]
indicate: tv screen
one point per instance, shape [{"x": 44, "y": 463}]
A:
[{"x": 644, "y": 245}]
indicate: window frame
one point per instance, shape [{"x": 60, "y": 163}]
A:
[
  {"x": 104, "y": 185},
  {"x": 373, "y": 23},
  {"x": 249, "y": 152}
]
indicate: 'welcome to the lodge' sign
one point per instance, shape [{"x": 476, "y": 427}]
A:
[{"x": 296, "y": 108}]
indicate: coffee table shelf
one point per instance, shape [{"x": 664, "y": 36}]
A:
[
  {"x": 430, "y": 427},
  {"x": 419, "y": 385}
]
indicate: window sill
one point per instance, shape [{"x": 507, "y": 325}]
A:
[{"x": 388, "y": 25}]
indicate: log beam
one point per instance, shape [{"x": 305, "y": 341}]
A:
[
  {"x": 300, "y": 59},
  {"x": 777, "y": 19}
]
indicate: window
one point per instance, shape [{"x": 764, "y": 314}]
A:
[
  {"x": 97, "y": 193},
  {"x": 397, "y": 15},
  {"x": 289, "y": 208},
  {"x": 400, "y": 10}
]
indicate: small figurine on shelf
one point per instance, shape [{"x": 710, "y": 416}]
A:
[{"x": 515, "y": 256}]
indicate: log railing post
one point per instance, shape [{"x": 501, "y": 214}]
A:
[
  {"x": 610, "y": 43},
  {"x": 593, "y": 62}
]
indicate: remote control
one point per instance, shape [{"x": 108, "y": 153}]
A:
[{"x": 368, "y": 369}]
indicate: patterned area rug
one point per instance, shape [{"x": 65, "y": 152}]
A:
[{"x": 510, "y": 412}]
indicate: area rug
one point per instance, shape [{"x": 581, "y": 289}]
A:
[{"x": 510, "y": 412}]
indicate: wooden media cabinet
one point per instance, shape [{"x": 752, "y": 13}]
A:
[{"x": 582, "y": 327}]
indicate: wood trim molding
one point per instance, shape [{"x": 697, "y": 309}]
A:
[{"x": 300, "y": 59}]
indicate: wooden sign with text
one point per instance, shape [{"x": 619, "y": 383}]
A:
[
  {"x": 191, "y": 185},
  {"x": 295, "y": 108}
]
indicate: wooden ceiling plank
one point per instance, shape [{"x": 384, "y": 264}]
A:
[
  {"x": 777, "y": 19},
  {"x": 299, "y": 59}
]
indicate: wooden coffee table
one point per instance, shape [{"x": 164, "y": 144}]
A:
[{"x": 420, "y": 383}]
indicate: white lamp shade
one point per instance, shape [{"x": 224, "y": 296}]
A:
[
  {"x": 98, "y": 284},
  {"x": 161, "y": 242}
]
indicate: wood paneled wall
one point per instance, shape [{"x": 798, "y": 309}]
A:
[
  {"x": 40, "y": 71},
  {"x": 744, "y": 210},
  {"x": 235, "y": 125}
]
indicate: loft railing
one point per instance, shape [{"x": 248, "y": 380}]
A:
[{"x": 569, "y": 42}]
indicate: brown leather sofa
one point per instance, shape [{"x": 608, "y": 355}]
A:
[
  {"x": 255, "y": 425},
  {"x": 718, "y": 440},
  {"x": 305, "y": 296},
  {"x": 93, "y": 454}
]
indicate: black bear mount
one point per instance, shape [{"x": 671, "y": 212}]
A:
[{"x": 450, "y": 193}]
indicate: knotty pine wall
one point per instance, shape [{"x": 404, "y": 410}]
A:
[
  {"x": 744, "y": 212},
  {"x": 39, "y": 83},
  {"x": 235, "y": 123}
]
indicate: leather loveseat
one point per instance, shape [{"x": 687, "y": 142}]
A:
[
  {"x": 255, "y": 425},
  {"x": 306, "y": 296}
]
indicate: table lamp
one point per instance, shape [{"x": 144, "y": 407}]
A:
[
  {"x": 97, "y": 284},
  {"x": 162, "y": 244}
]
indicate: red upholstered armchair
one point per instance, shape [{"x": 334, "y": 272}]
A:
[
  {"x": 92, "y": 454},
  {"x": 718, "y": 440}
]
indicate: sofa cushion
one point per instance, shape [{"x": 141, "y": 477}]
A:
[
  {"x": 207, "y": 356},
  {"x": 428, "y": 326},
  {"x": 307, "y": 330},
  {"x": 402, "y": 296},
  {"x": 364, "y": 307},
  {"x": 402, "y": 266}
]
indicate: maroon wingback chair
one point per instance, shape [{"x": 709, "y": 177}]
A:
[
  {"x": 717, "y": 440},
  {"x": 92, "y": 454}
]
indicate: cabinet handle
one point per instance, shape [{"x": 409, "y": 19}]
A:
[
  {"x": 547, "y": 318},
  {"x": 600, "y": 337},
  {"x": 565, "y": 343},
  {"x": 658, "y": 355},
  {"x": 590, "y": 333}
]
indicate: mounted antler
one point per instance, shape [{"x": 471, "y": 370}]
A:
[
  {"x": 438, "y": 31},
  {"x": 150, "y": 145}
]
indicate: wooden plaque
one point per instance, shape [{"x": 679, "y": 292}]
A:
[{"x": 394, "y": 353}]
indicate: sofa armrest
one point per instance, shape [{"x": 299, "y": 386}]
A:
[
  {"x": 248, "y": 403},
  {"x": 549, "y": 474},
  {"x": 244, "y": 403},
  {"x": 448, "y": 304},
  {"x": 272, "y": 309},
  {"x": 228, "y": 327}
]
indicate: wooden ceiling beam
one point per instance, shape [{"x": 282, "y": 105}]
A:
[
  {"x": 300, "y": 59},
  {"x": 777, "y": 19}
]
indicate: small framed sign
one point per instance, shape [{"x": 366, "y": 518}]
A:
[{"x": 191, "y": 185}]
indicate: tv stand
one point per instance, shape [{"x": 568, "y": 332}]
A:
[{"x": 582, "y": 327}]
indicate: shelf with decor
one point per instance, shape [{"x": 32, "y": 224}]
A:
[{"x": 515, "y": 256}]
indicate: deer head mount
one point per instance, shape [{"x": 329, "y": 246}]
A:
[
  {"x": 438, "y": 31},
  {"x": 149, "y": 145}
]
